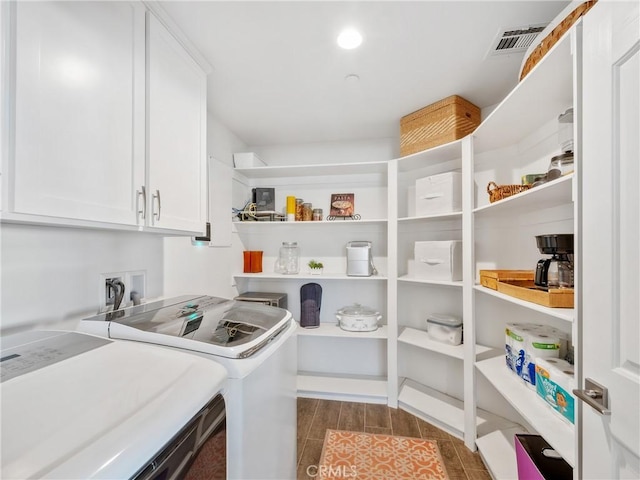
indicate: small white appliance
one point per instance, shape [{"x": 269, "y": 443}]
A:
[
  {"x": 77, "y": 406},
  {"x": 256, "y": 344},
  {"x": 359, "y": 259}
]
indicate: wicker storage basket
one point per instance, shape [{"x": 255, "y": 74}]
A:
[
  {"x": 499, "y": 192},
  {"x": 552, "y": 37},
  {"x": 444, "y": 121}
]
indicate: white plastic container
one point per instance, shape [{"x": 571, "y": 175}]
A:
[
  {"x": 440, "y": 261},
  {"x": 444, "y": 328},
  {"x": 439, "y": 194}
]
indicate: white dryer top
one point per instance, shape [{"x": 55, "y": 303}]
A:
[{"x": 99, "y": 413}]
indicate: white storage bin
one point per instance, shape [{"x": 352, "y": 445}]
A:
[
  {"x": 438, "y": 260},
  {"x": 445, "y": 328},
  {"x": 247, "y": 160},
  {"x": 439, "y": 194}
]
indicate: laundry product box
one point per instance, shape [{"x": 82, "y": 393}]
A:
[
  {"x": 438, "y": 260},
  {"x": 555, "y": 380},
  {"x": 247, "y": 160},
  {"x": 537, "y": 460},
  {"x": 439, "y": 194},
  {"x": 524, "y": 342}
]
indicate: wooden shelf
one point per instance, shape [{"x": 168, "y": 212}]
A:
[
  {"x": 409, "y": 279},
  {"x": 444, "y": 411},
  {"x": 333, "y": 330},
  {"x": 525, "y": 401},
  {"x": 557, "y": 192},
  {"x": 344, "y": 388},
  {"x": 420, "y": 339},
  {"x": 566, "y": 314},
  {"x": 308, "y": 276}
]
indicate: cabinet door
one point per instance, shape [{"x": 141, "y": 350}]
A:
[
  {"x": 610, "y": 446},
  {"x": 176, "y": 162},
  {"x": 78, "y": 97}
]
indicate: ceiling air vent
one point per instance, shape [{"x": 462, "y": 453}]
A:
[{"x": 514, "y": 40}]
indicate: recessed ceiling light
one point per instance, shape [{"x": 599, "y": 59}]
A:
[
  {"x": 349, "y": 39},
  {"x": 352, "y": 78}
]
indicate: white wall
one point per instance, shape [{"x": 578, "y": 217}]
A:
[{"x": 51, "y": 275}]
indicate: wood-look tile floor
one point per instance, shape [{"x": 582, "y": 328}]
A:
[{"x": 316, "y": 416}]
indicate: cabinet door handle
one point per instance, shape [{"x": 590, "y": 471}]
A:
[
  {"x": 155, "y": 214},
  {"x": 141, "y": 210}
]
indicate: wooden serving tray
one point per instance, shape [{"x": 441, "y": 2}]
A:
[
  {"x": 490, "y": 278},
  {"x": 527, "y": 290}
]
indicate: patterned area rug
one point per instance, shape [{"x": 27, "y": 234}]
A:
[{"x": 368, "y": 456}]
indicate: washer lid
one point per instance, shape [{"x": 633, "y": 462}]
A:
[
  {"x": 101, "y": 413},
  {"x": 203, "y": 324}
]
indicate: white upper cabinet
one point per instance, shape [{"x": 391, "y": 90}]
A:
[
  {"x": 106, "y": 119},
  {"x": 77, "y": 93},
  {"x": 176, "y": 128}
]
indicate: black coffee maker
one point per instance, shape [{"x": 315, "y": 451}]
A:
[{"x": 557, "y": 271}]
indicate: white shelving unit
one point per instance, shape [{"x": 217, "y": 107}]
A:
[
  {"x": 517, "y": 138},
  {"x": 560, "y": 435},
  {"x": 444, "y": 411},
  {"x": 326, "y": 356},
  {"x": 566, "y": 314},
  {"x": 345, "y": 388},
  {"x": 520, "y": 137},
  {"x": 327, "y": 329},
  {"x": 420, "y": 339}
]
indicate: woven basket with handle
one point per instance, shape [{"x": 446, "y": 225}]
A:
[{"x": 499, "y": 192}]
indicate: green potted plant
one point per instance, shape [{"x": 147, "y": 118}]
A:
[{"x": 315, "y": 267}]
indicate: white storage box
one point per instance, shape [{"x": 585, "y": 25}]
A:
[
  {"x": 444, "y": 328},
  {"x": 438, "y": 260},
  {"x": 439, "y": 194},
  {"x": 247, "y": 160}
]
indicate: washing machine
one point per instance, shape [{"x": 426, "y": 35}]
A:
[
  {"x": 77, "y": 406},
  {"x": 257, "y": 346}
]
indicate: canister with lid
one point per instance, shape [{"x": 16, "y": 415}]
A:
[
  {"x": 289, "y": 259},
  {"x": 444, "y": 328}
]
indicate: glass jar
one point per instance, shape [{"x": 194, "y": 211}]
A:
[
  {"x": 560, "y": 165},
  {"x": 317, "y": 214},
  {"x": 307, "y": 212},
  {"x": 299, "y": 203},
  {"x": 289, "y": 259}
]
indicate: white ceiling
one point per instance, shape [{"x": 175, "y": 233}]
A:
[{"x": 279, "y": 78}]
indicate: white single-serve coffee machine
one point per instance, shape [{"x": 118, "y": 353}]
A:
[{"x": 360, "y": 259}]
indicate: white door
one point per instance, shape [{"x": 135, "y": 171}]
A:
[
  {"x": 609, "y": 443},
  {"x": 177, "y": 132},
  {"x": 79, "y": 95}
]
